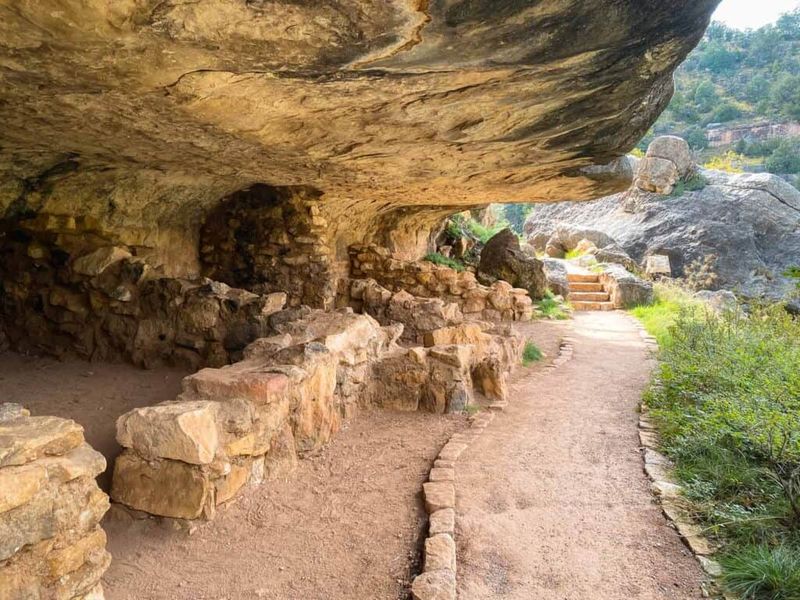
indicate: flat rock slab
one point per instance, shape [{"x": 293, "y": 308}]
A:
[{"x": 25, "y": 439}]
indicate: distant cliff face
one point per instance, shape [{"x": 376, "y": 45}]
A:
[{"x": 142, "y": 115}]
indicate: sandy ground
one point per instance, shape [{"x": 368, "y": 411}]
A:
[
  {"x": 553, "y": 503},
  {"x": 347, "y": 525},
  {"x": 93, "y": 394}
]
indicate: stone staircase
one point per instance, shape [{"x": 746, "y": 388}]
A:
[{"x": 587, "y": 293}]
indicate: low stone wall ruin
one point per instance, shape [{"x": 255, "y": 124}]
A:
[
  {"x": 499, "y": 302},
  {"x": 51, "y": 543},
  {"x": 250, "y": 421},
  {"x": 268, "y": 239},
  {"x": 63, "y": 294}
]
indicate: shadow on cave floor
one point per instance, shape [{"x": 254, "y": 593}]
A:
[{"x": 92, "y": 394}]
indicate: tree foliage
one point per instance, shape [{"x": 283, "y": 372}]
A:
[{"x": 736, "y": 75}]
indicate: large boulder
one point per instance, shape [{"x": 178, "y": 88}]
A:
[
  {"x": 625, "y": 289},
  {"x": 750, "y": 222},
  {"x": 503, "y": 259},
  {"x": 668, "y": 160}
]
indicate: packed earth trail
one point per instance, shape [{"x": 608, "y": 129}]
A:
[{"x": 553, "y": 502}]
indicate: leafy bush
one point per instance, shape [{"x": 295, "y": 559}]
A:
[
  {"x": 531, "y": 354},
  {"x": 551, "y": 308},
  {"x": 693, "y": 183},
  {"x": 728, "y": 408},
  {"x": 670, "y": 302},
  {"x": 441, "y": 259}
]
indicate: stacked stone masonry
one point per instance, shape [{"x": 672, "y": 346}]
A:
[
  {"x": 63, "y": 291},
  {"x": 51, "y": 543},
  {"x": 268, "y": 239},
  {"x": 499, "y": 302},
  {"x": 250, "y": 421}
]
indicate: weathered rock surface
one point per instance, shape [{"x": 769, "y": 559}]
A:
[
  {"x": 750, "y": 223},
  {"x": 503, "y": 259},
  {"x": 625, "y": 289},
  {"x": 51, "y": 544},
  {"x": 380, "y": 105}
]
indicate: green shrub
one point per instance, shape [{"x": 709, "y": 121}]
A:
[
  {"x": 574, "y": 253},
  {"x": 693, "y": 183},
  {"x": 552, "y": 308},
  {"x": 762, "y": 573},
  {"x": 669, "y": 303},
  {"x": 793, "y": 273},
  {"x": 440, "y": 259},
  {"x": 728, "y": 409},
  {"x": 531, "y": 354}
]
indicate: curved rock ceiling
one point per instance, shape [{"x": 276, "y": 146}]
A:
[{"x": 143, "y": 113}]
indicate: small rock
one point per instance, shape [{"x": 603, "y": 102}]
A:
[{"x": 434, "y": 585}]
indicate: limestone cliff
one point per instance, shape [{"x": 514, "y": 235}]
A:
[{"x": 145, "y": 113}]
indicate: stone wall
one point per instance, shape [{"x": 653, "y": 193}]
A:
[
  {"x": 268, "y": 239},
  {"x": 63, "y": 291},
  {"x": 249, "y": 421},
  {"x": 51, "y": 543},
  {"x": 498, "y": 302}
]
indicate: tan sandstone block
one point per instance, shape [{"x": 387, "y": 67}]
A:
[
  {"x": 20, "y": 484},
  {"x": 99, "y": 260},
  {"x": 442, "y": 521},
  {"x": 162, "y": 487},
  {"x": 58, "y": 509},
  {"x": 439, "y": 474},
  {"x": 229, "y": 485},
  {"x": 185, "y": 431},
  {"x": 73, "y": 557},
  {"x": 83, "y": 461},
  {"x": 25, "y": 439},
  {"x": 249, "y": 380},
  {"x": 439, "y": 495},
  {"x": 434, "y": 585},
  {"x": 440, "y": 553}
]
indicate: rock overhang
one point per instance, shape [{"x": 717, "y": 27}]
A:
[{"x": 145, "y": 114}]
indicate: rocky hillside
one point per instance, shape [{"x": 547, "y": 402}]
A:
[{"x": 738, "y": 232}]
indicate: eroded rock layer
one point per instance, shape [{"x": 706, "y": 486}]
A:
[{"x": 145, "y": 114}]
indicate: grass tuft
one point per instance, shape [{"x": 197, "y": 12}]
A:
[
  {"x": 444, "y": 261},
  {"x": 762, "y": 573},
  {"x": 552, "y": 308},
  {"x": 531, "y": 354},
  {"x": 671, "y": 301}
]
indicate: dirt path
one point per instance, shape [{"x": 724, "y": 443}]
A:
[
  {"x": 553, "y": 503},
  {"x": 346, "y": 526}
]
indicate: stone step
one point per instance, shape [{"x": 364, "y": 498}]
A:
[
  {"x": 578, "y": 286},
  {"x": 587, "y": 306},
  {"x": 588, "y": 296},
  {"x": 583, "y": 277}
]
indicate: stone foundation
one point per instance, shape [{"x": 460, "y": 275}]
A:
[
  {"x": 498, "y": 302},
  {"x": 63, "y": 293},
  {"x": 51, "y": 543},
  {"x": 268, "y": 239},
  {"x": 249, "y": 421}
]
